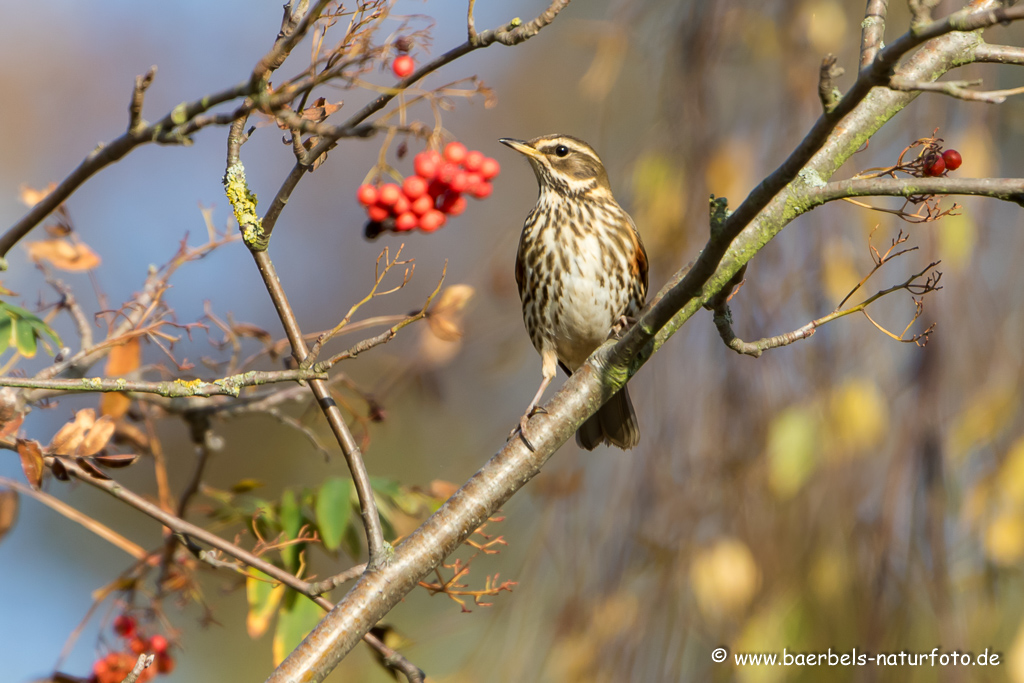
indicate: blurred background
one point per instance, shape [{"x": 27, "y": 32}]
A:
[{"x": 846, "y": 491}]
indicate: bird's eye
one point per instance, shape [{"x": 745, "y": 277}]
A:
[{"x": 561, "y": 151}]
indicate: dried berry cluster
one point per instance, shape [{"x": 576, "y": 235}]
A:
[
  {"x": 113, "y": 667},
  {"x": 437, "y": 190}
]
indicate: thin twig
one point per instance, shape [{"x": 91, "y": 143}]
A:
[
  {"x": 179, "y": 388},
  {"x": 961, "y": 90}
]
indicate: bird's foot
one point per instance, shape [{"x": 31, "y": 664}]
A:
[
  {"x": 621, "y": 325},
  {"x": 520, "y": 429}
]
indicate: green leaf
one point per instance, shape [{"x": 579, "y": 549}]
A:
[
  {"x": 6, "y": 333},
  {"x": 333, "y": 510},
  {"x": 298, "y": 616},
  {"x": 26, "y": 330},
  {"x": 291, "y": 522}
]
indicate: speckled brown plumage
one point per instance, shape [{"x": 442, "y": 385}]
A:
[{"x": 581, "y": 267}]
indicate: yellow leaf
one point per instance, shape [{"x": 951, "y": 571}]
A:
[
  {"x": 729, "y": 172},
  {"x": 957, "y": 237},
  {"x": 859, "y": 416},
  {"x": 264, "y": 597},
  {"x": 829, "y": 575},
  {"x": 1015, "y": 657},
  {"x": 792, "y": 451},
  {"x": 123, "y": 359},
  {"x": 1004, "y": 539},
  {"x": 825, "y": 24},
  {"x": 1011, "y": 474},
  {"x": 724, "y": 578},
  {"x": 983, "y": 418}
]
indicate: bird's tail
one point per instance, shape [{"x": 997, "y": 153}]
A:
[{"x": 614, "y": 423}]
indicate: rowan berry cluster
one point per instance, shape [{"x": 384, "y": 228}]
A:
[
  {"x": 937, "y": 164},
  {"x": 438, "y": 189},
  {"x": 113, "y": 667}
]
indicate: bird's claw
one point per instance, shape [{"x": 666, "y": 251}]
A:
[
  {"x": 621, "y": 325},
  {"x": 520, "y": 429}
]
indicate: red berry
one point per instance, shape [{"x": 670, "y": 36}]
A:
[
  {"x": 367, "y": 195},
  {"x": 473, "y": 161},
  {"x": 124, "y": 625},
  {"x": 472, "y": 180},
  {"x": 459, "y": 181},
  {"x": 437, "y": 188},
  {"x": 426, "y": 164},
  {"x": 406, "y": 221},
  {"x": 489, "y": 168},
  {"x": 158, "y": 643},
  {"x": 483, "y": 190},
  {"x": 952, "y": 159},
  {"x": 422, "y": 205},
  {"x": 401, "y": 205},
  {"x": 377, "y": 213},
  {"x": 934, "y": 166},
  {"x": 164, "y": 663},
  {"x": 414, "y": 187},
  {"x": 389, "y": 194},
  {"x": 453, "y": 204},
  {"x": 455, "y": 152},
  {"x": 447, "y": 173},
  {"x": 403, "y": 65},
  {"x": 431, "y": 220}
]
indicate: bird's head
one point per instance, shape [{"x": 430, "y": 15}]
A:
[{"x": 563, "y": 164}]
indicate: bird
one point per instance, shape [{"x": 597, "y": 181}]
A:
[{"x": 581, "y": 269}]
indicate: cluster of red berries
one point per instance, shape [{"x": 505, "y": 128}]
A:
[
  {"x": 116, "y": 665},
  {"x": 436, "y": 191},
  {"x": 936, "y": 164}
]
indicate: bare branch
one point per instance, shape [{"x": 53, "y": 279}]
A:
[
  {"x": 828, "y": 91},
  {"x": 872, "y": 31},
  {"x": 179, "y": 388},
  {"x": 1006, "y": 189},
  {"x": 378, "y": 549},
  {"x": 141, "y": 664},
  {"x": 999, "y": 54},
  {"x": 958, "y": 89}
]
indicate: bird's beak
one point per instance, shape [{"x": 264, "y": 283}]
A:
[{"x": 520, "y": 146}]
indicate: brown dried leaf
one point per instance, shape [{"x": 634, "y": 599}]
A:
[
  {"x": 31, "y": 461},
  {"x": 69, "y": 437},
  {"x": 8, "y": 511},
  {"x": 114, "y": 461},
  {"x": 252, "y": 331},
  {"x": 59, "y": 471},
  {"x": 11, "y": 427},
  {"x": 97, "y": 438},
  {"x": 64, "y": 255},
  {"x": 87, "y": 465},
  {"x": 320, "y": 110},
  {"x": 445, "y": 317},
  {"x": 31, "y": 196}
]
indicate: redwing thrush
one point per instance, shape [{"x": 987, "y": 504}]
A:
[{"x": 581, "y": 268}]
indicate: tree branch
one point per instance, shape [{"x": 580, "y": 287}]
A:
[
  {"x": 762, "y": 215},
  {"x": 872, "y": 31}
]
